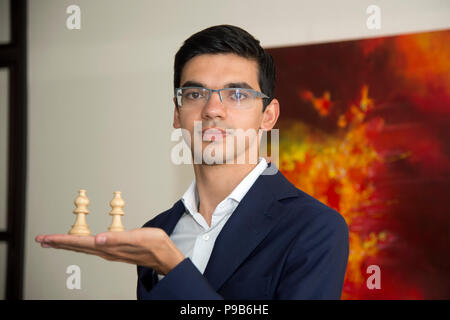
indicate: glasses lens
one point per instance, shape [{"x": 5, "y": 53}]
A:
[
  {"x": 238, "y": 97},
  {"x": 191, "y": 97}
]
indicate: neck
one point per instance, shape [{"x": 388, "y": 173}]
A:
[{"x": 215, "y": 182}]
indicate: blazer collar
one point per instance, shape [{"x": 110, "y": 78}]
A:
[{"x": 257, "y": 213}]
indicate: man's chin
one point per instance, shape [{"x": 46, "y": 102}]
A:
[
  {"x": 216, "y": 162},
  {"x": 212, "y": 160}
]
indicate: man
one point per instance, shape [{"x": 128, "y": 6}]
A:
[{"x": 240, "y": 231}]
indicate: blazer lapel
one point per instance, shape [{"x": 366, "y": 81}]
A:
[
  {"x": 254, "y": 217},
  {"x": 170, "y": 218}
]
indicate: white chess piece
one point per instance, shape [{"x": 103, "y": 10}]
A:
[
  {"x": 80, "y": 227},
  {"x": 117, "y": 205}
]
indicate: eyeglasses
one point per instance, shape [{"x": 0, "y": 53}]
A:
[{"x": 238, "y": 98}]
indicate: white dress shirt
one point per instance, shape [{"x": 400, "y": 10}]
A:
[{"x": 192, "y": 235}]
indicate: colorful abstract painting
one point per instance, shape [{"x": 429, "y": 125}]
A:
[{"x": 365, "y": 128}]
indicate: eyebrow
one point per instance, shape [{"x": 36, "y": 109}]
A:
[
  {"x": 192, "y": 84},
  {"x": 244, "y": 85},
  {"x": 228, "y": 85}
]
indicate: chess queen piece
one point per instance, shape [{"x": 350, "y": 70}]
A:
[
  {"x": 80, "y": 228},
  {"x": 117, "y": 205}
]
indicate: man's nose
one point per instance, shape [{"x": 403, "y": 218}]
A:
[{"x": 214, "y": 107}]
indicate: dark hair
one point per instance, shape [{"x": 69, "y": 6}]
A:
[{"x": 228, "y": 39}]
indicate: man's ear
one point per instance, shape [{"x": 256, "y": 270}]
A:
[
  {"x": 176, "y": 115},
  {"x": 270, "y": 115}
]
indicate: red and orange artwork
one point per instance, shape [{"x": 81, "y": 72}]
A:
[{"x": 365, "y": 128}]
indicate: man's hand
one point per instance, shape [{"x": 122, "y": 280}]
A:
[{"x": 148, "y": 247}]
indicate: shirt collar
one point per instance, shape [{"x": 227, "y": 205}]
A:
[
  {"x": 190, "y": 198},
  {"x": 242, "y": 188}
]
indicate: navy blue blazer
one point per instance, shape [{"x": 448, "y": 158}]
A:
[{"x": 279, "y": 243}]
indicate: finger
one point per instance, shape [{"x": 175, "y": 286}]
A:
[
  {"x": 42, "y": 237},
  {"x": 126, "y": 246},
  {"x": 73, "y": 241},
  {"x": 99, "y": 253},
  {"x": 133, "y": 237},
  {"x": 86, "y": 244},
  {"x": 114, "y": 256},
  {"x": 73, "y": 248},
  {"x": 126, "y": 238},
  {"x": 39, "y": 238},
  {"x": 116, "y": 253}
]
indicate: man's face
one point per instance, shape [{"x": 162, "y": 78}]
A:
[{"x": 217, "y": 71}]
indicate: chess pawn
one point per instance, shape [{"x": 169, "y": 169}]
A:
[
  {"x": 117, "y": 205},
  {"x": 80, "y": 227}
]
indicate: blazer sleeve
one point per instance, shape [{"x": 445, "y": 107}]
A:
[
  {"x": 184, "y": 282},
  {"x": 317, "y": 261}
]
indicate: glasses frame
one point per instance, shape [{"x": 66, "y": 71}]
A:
[{"x": 256, "y": 93}]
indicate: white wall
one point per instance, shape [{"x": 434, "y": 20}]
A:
[{"x": 100, "y": 110}]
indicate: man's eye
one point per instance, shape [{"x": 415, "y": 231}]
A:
[
  {"x": 239, "y": 95},
  {"x": 193, "y": 95}
]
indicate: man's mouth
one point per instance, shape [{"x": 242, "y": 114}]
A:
[{"x": 213, "y": 134}]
